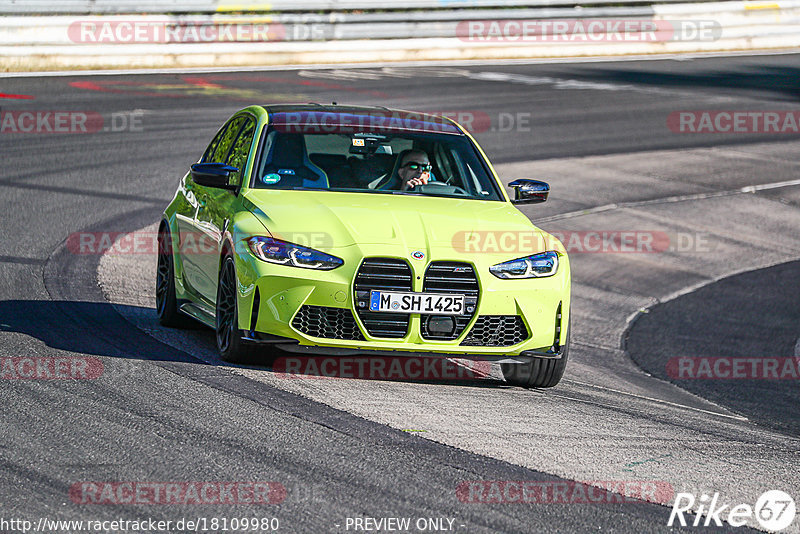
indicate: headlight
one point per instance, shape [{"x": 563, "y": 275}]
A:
[
  {"x": 536, "y": 266},
  {"x": 283, "y": 253}
]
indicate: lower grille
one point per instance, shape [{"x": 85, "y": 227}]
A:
[
  {"x": 383, "y": 274},
  {"x": 497, "y": 331},
  {"x": 330, "y": 323}
]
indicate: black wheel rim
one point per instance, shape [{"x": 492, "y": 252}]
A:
[
  {"x": 163, "y": 274},
  {"x": 226, "y": 306}
]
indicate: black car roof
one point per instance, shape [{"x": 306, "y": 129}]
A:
[{"x": 370, "y": 117}]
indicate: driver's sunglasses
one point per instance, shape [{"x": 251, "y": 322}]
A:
[{"x": 414, "y": 166}]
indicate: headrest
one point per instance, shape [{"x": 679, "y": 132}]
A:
[{"x": 288, "y": 150}]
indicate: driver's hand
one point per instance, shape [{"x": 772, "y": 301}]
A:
[{"x": 421, "y": 180}]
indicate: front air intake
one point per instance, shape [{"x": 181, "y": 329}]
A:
[
  {"x": 327, "y": 322},
  {"x": 450, "y": 277},
  {"x": 497, "y": 331},
  {"x": 384, "y": 274}
]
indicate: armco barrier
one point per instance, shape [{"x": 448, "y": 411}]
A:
[
  {"x": 98, "y": 7},
  {"x": 175, "y": 40}
]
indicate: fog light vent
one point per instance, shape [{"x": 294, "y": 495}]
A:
[{"x": 440, "y": 325}]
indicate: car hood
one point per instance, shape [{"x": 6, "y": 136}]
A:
[{"x": 327, "y": 220}]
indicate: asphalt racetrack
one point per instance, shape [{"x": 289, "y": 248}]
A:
[{"x": 342, "y": 455}]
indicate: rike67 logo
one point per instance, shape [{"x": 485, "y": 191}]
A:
[{"x": 774, "y": 510}]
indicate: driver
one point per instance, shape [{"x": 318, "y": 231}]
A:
[{"x": 415, "y": 169}]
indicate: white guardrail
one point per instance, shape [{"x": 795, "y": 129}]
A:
[
  {"x": 94, "y": 33},
  {"x": 99, "y": 7}
]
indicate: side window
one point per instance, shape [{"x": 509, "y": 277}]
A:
[
  {"x": 226, "y": 140},
  {"x": 241, "y": 151},
  {"x": 209, "y": 153}
]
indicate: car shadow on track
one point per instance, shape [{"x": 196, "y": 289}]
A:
[
  {"x": 102, "y": 329},
  {"x": 91, "y": 328}
]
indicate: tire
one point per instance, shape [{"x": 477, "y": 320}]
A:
[
  {"x": 166, "y": 301},
  {"x": 537, "y": 372},
  {"x": 229, "y": 339}
]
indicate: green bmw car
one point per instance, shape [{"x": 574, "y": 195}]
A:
[{"x": 356, "y": 230}]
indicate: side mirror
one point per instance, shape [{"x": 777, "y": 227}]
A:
[
  {"x": 213, "y": 175},
  {"x": 529, "y": 191}
]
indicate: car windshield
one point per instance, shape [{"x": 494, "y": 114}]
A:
[{"x": 370, "y": 161}]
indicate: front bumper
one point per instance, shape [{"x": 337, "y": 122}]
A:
[
  {"x": 293, "y": 345},
  {"x": 272, "y": 296}
]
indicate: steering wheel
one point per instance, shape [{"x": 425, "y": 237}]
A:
[{"x": 456, "y": 190}]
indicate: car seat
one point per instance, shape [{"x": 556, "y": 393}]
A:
[
  {"x": 288, "y": 158},
  {"x": 336, "y": 168},
  {"x": 392, "y": 180},
  {"x": 372, "y": 168}
]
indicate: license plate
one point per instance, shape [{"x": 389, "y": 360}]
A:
[{"x": 405, "y": 302}]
